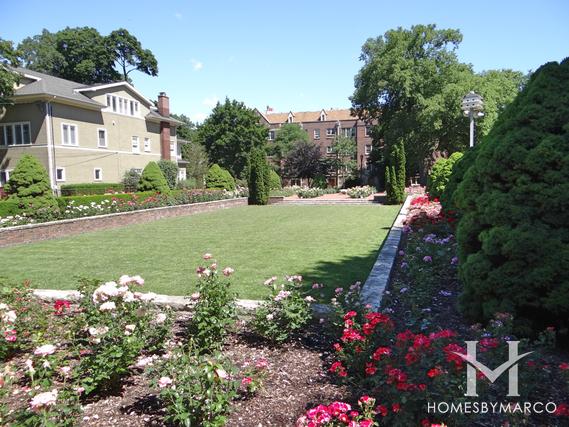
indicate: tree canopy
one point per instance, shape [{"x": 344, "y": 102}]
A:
[
  {"x": 304, "y": 161},
  {"x": 412, "y": 83},
  {"x": 286, "y": 137},
  {"x": 83, "y": 55},
  {"x": 187, "y": 129},
  {"x": 229, "y": 134},
  {"x": 8, "y": 56}
]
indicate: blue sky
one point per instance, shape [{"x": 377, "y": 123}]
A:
[{"x": 292, "y": 55}]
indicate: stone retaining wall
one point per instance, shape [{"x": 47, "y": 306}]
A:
[{"x": 50, "y": 230}]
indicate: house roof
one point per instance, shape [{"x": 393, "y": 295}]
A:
[{"x": 309, "y": 116}]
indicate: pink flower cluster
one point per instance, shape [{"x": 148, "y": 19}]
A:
[{"x": 340, "y": 412}]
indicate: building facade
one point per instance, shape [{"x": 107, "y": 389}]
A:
[
  {"x": 322, "y": 128},
  {"x": 84, "y": 133}
]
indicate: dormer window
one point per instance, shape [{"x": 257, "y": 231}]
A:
[
  {"x": 121, "y": 105},
  {"x": 322, "y": 116},
  {"x": 290, "y": 118}
]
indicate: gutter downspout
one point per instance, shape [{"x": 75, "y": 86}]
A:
[{"x": 50, "y": 147}]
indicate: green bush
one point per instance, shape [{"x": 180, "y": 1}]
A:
[
  {"x": 92, "y": 188},
  {"x": 219, "y": 179},
  {"x": 170, "y": 171},
  {"x": 259, "y": 178},
  {"x": 274, "y": 180},
  {"x": 130, "y": 180},
  {"x": 152, "y": 179},
  {"x": 440, "y": 175},
  {"x": 319, "y": 181},
  {"x": 457, "y": 175},
  {"x": 9, "y": 208},
  {"x": 29, "y": 185},
  {"x": 395, "y": 174},
  {"x": 513, "y": 236}
]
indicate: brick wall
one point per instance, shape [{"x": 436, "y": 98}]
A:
[{"x": 69, "y": 227}]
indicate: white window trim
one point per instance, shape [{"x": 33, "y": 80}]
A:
[
  {"x": 147, "y": 147},
  {"x": 316, "y": 133},
  {"x": 271, "y": 136},
  {"x": 132, "y": 139},
  {"x": 329, "y": 149},
  {"x": 13, "y": 126},
  {"x": 330, "y": 134},
  {"x": 98, "y": 140},
  {"x": 69, "y": 136},
  {"x": 95, "y": 174},
  {"x": 63, "y": 175},
  {"x": 366, "y": 151},
  {"x": 7, "y": 172},
  {"x": 124, "y": 102}
]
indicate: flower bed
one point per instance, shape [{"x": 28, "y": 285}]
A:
[{"x": 360, "y": 192}]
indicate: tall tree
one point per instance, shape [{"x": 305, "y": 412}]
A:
[
  {"x": 197, "y": 159},
  {"x": 8, "y": 56},
  {"x": 229, "y": 134},
  {"x": 412, "y": 83},
  {"x": 304, "y": 161},
  {"x": 40, "y": 53},
  {"x": 285, "y": 139},
  {"x": 130, "y": 55},
  {"x": 344, "y": 160},
  {"x": 188, "y": 128}
]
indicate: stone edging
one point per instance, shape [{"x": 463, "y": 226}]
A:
[
  {"x": 374, "y": 286},
  {"x": 53, "y": 229}
]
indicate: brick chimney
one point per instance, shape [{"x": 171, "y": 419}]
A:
[{"x": 164, "y": 110}]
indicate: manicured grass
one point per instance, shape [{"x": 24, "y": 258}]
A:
[{"x": 334, "y": 245}]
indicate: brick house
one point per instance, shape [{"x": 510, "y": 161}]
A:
[
  {"x": 322, "y": 127},
  {"x": 85, "y": 133}
]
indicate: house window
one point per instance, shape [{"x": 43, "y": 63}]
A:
[
  {"x": 60, "y": 174},
  {"x": 102, "y": 138},
  {"x": 368, "y": 131},
  {"x": 4, "y": 177},
  {"x": 147, "y": 145},
  {"x": 98, "y": 174},
  {"x": 69, "y": 134},
  {"x": 15, "y": 134},
  {"x": 290, "y": 118},
  {"x": 348, "y": 132},
  {"x": 121, "y": 105},
  {"x": 271, "y": 135},
  {"x": 329, "y": 150},
  {"x": 368, "y": 149},
  {"x": 322, "y": 117},
  {"x": 135, "y": 145},
  {"x": 330, "y": 132},
  {"x": 316, "y": 133}
]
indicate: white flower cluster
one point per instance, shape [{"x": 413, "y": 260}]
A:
[
  {"x": 6, "y": 314},
  {"x": 108, "y": 290}
]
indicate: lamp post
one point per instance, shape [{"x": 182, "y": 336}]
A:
[{"x": 472, "y": 106}]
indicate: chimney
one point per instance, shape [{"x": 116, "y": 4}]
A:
[
  {"x": 164, "y": 104},
  {"x": 164, "y": 110}
]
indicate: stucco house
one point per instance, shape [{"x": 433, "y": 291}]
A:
[{"x": 85, "y": 133}]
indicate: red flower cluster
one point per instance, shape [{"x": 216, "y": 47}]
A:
[
  {"x": 450, "y": 350},
  {"x": 338, "y": 368},
  {"x": 60, "y": 306},
  {"x": 562, "y": 410},
  {"x": 323, "y": 415}
]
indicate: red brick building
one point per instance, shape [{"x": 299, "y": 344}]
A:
[{"x": 322, "y": 127}]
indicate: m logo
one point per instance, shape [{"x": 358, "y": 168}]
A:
[{"x": 511, "y": 365}]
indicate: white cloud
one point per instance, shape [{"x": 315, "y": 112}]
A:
[
  {"x": 198, "y": 65},
  {"x": 178, "y": 16},
  {"x": 211, "y": 101}
]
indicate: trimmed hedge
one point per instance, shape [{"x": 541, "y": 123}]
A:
[
  {"x": 259, "y": 177},
  {"x": 152, "y": 179},
  {"x": 90, "y": 188},
  {"x": 98, "y": 198},
  {"x": 513, "y": 235}
]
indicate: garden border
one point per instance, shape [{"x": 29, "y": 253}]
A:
[
  {"x": 374, "y": 286},
  {"x": 30, "y": 233}
]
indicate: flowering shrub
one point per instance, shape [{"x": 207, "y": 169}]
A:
[
  {"x": 339, "y": 414},
  {"x": 196, "y": 389},
  {"x": 54, "y": 407},
  {"x": 253, "y": 375},
  {"x": 360, "y": 192},
  {"x": 309, "y": 193},
  {"x": 114, "y": 325},
  {"x": 214, "y": 311},
  {"x": 284, "y": 311}
]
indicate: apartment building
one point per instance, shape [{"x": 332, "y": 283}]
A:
[
  {"x": 85, "y": 133},
  {"x": 322, "y": 127}
]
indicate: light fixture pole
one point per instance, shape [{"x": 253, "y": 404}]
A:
[{"x": 472, "y": 106}]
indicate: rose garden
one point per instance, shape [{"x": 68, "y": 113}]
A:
[{"x": 276, "y": 326}]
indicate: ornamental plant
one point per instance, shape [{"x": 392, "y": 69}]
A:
[
  {"x": 258, "y": 177},
  {"x": 219, "y": 179},
  {"x": 274, "y": 180},
  {"x": 284, "y": 312},
  {"x": 340, "y": 414},
  {"x": 513, "y": 236},
  {"x": 196, "y": 389},
  {"x": 152, "y": 179},
  {"x": 214, "y": 312},
  {"x": 170, "y": 171},
  {"x": 360, "y": 192},
  {"x": 309, "y": 193},
  {"x": 440, "y": 174},
  {"x": 49, "y": 408}
]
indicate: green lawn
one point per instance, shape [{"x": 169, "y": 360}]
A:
[{"x": 334, "y": 245}]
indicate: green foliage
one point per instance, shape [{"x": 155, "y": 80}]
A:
[
  {"x": 219, "y": 178},
  {"x": 90, "y": 188},
  {"x": 170, "y": 171},
  {"x": 129, "y": 52},
  {"x": 395, "y": 174},
  {"x": 130, "y": 180},
  {"x": 304, "y": 161},
  {"x": 343, "y": 161},
  {"x": 201, "y": 388},
  {"x": 9, "y": 208},
  {"x": 65, "y": 201},
  {"x": 283, "y": 312},
  {"x": 457, "y": 175},
  {"x": 197, "y": 166},
  {"x": 83, "y": 55},
  {"x": 29, "y": 184},
  {"x": 360, "y": 192},
  {"x": 229, "y": 134},
  {"x": 513, "y": 236},
  {"x": 259, "y": 178},
  {"x": 440, "y": 175},
  {"x": 214, "y": 312},
  {"x": 320, "y": 181},
  {"x": 152, "y": 179},
  {"x": 287, "y": 136},
  {"x": 274, "y": 180},
  {"x": 187, "y": 129},
  {"x": 412, "y": 83},
  {"x": 8, "y": 55}
]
